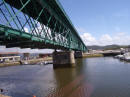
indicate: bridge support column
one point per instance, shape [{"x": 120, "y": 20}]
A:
[
  {"x": 63, "y": 59},
  {"x": 78, "y": 54}
]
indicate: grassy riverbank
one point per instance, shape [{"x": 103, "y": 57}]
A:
[
  {"x": 92, "y": 55},
  {"x": 9, "y": 64}
]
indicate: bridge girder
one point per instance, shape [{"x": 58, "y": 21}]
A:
[{"x": 39, "y": 24}]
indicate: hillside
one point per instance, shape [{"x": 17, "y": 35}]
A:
[{"x": 108, "y": 47}]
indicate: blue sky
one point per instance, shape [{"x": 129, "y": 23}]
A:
[
  {"x": 99, "y": 22},
  {"x": 100, "y": 17}
]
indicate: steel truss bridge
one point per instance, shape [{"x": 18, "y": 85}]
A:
[{"x": 37, "y": 24}]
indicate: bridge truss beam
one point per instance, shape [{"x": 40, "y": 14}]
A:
[{"x": 37, "y": 24}]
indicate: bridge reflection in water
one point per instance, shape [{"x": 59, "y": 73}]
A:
[{"x": 93, "y": 77}]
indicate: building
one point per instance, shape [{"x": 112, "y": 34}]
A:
[
  {"x": 9, "y": 57},
  {"x": 45, "y": 55}
]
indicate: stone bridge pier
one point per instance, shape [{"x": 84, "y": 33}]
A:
[{"x": 65, "y": 58}]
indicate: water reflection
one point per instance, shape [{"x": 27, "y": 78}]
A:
[{"x": 92, "y": 77}]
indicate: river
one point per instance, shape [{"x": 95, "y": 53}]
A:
[{"x": 92, "y": 77}]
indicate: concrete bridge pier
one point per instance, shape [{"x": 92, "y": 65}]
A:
[
  {"x": 63, "y": 59},
  {"x": 78, "y": 54}
]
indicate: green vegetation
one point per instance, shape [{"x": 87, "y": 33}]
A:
[
  {"x": 9, "y": 64},
  {"x": 108, "y": 47},
  {"x": 92, "y": 55}
]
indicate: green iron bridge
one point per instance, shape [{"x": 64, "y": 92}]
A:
[{"x": 37, "y": 24}]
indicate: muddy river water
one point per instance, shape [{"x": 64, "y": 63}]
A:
[{"x": 92, "y": 77}]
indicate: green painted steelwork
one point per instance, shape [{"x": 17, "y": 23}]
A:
[{"x": 37, "y": 24}]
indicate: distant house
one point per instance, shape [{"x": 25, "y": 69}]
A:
[
  {"x": 27, "y": 56},
  {"x": 16, "y": 56},
  {"x": 9, "y": 56},
  {"x": 45, "y": 55}
]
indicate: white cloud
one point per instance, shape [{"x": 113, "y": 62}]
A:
[
  {"x": 105, "y": 39},
  {"x": 26, "y": 30},
  {"x": 120, "y": 38},
  {"x": 88, "y": 39}
]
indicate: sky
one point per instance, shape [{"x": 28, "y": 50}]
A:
[{"x": 100, "y": 22}]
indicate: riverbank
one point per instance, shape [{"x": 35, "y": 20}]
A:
[
  {"x": 31, "y": 61},
  {"x": 92, "y": 55},
  {"x": 4, "y": 95},
  {"x": 9, "y": 64},
  {"x": 35, "y": 61}
]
